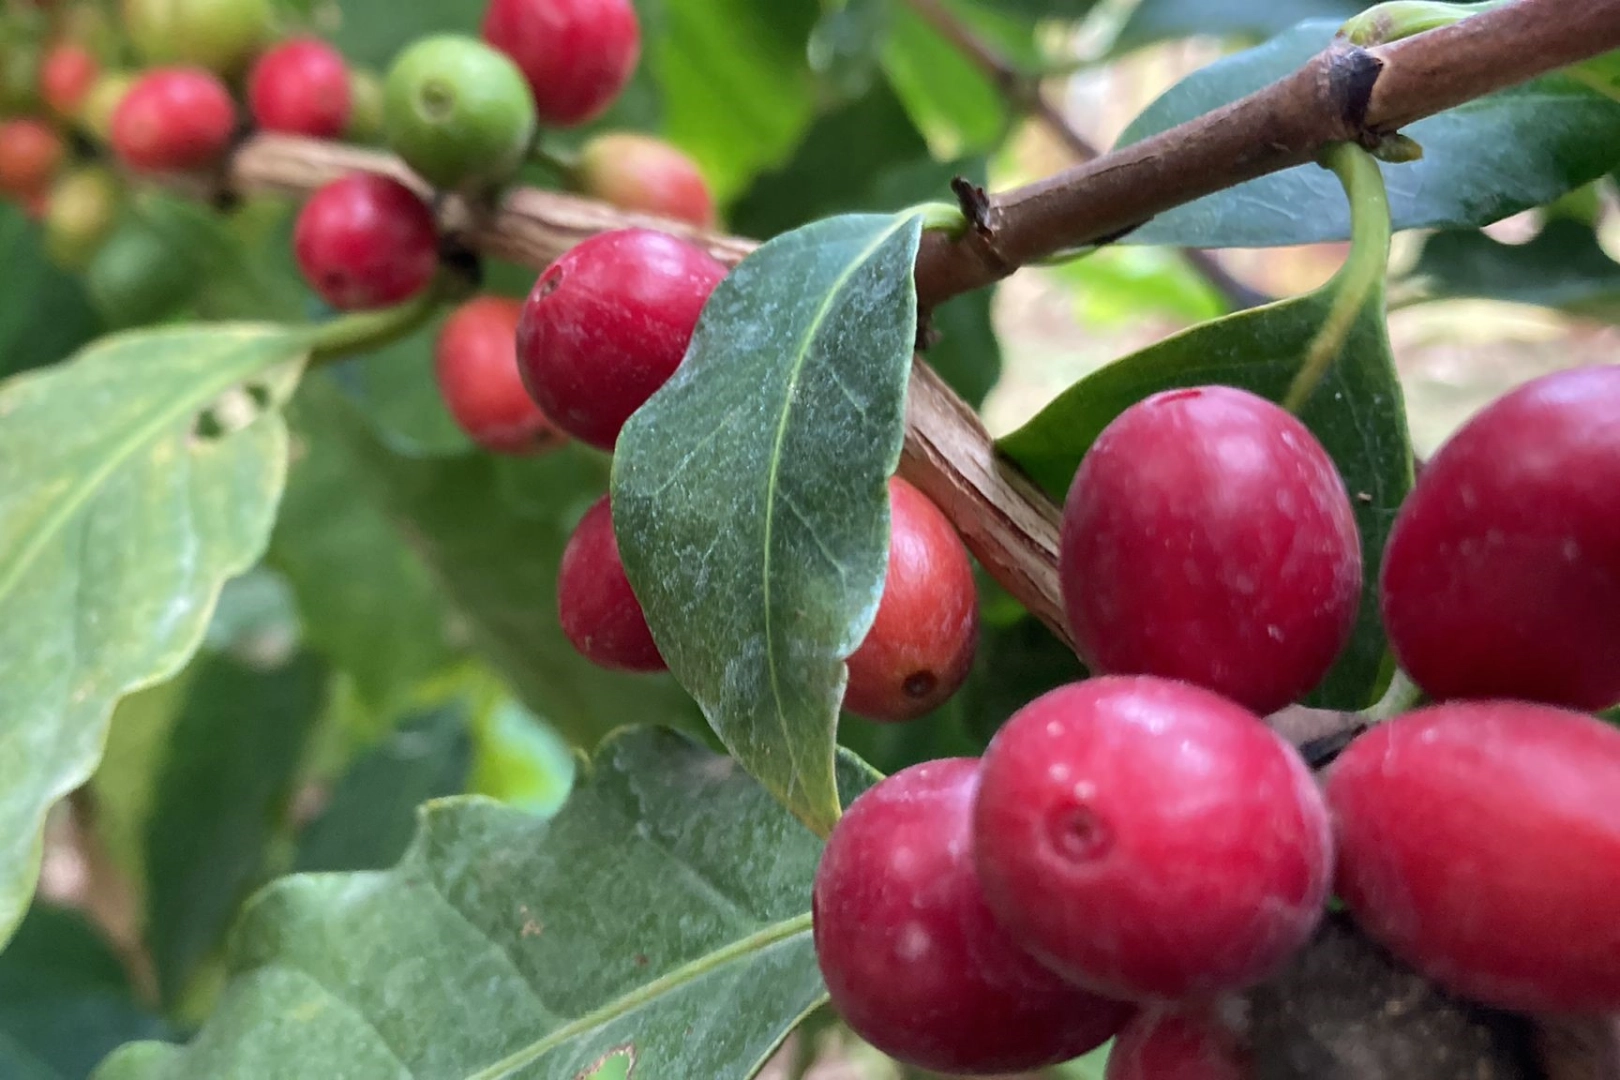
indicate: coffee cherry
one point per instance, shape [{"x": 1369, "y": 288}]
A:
[
  {"x": 476, "y": 364},
  {"x": 1480, "y": 842},
  {"x": 220, "y": 35},
  {"x": 1502, "y": 574},
  {"x": 599, "y": 611},
  {"x": 921, "y": 645},
  {"x": 366, "y": 241},
  {"x": 607, "y": 325},
  {"x": 140, "y": 276},
  {"x": 1166, "y": 1044},
  {"x": 301, "y": 87},
  {"x": 1151, "y": 840},
  {"x": 19, "y": 78},
  {"x": 577, "y": 55},
  {"x": 1207, "y": 537},
  {"x": 458, "y": 112},
  {"x": 366, "y": 106},
  {"x": 66, "y": 76},
  {"x": 173, "y": 119},
  {"x": 80, "y": 215},
  {"x": 101, "y": 103},
  {"x": 913, "y": 958},
  {"x": 30, "y": 154},
  {"x": 638, "y": 172}
]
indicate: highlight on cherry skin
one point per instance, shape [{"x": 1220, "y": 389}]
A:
[
  {"x": 1480, "y": 842},
  {"x": 475, "y": 363},
  {"x": 1502, "y": 573},
  {"x": 366, "y": 241},
  {"x": 1207, "y": 536},
  {"x": 1151, "y": 840},
  {"x": 608, "y": 323},
  {"x": 920, "y": 648},
  {"x": 599, "y": 611},
  {"x": 914, "y": 960}
]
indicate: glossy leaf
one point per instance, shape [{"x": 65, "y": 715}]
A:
[
  {"x": 491, "y": 533},
  {"x": 1156, "y": 20},
  {"x": 959, "y": 109},
  {"x": 370, "y": 815},
  {"x": 663, "y": 912},
  {"x": 120, "y": 517},
  {"x": 1357, "y": 412},
  {"x": 750, "y": 497},
  {"x": 221, "y": 800},
  {"x": 65, "y": 1002},
  {"x": 1481, "y": 161},
  {"x": 1563, "y": 267}
]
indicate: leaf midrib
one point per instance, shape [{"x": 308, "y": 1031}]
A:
[
  {"x": 775, "y": 470},
  {"x": 760, "y": 940},
  {"x": 91, "y": 481}
]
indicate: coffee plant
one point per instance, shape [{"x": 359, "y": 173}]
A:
[{"x": 502, "y": 572}]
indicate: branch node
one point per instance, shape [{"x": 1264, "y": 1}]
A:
[
  {"x": 975, "y": 204},
  {"x": 1352, "y": 73}
]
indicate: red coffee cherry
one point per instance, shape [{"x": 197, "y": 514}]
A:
[
  {"x": 921, "y": 645},
  {"x": 607, "y": 325},
  {"x": 1207, "y": 537},
  {"x": 1502, "y": 574},
  {"x": 1480, "y": 842},
  {"x": 66, "y": 76},
  {"x": 1167, "y": 1044},
  {"x": 1151, "y": 840},
  {"x": 301, "y": 87},
  {"x": 599, "y": 611},
  {"x": 476, "y": 364},
  {"x": 30, "y": 154},
  {"x": 913, "y": 959},
  {"x": 639, "y": 172},
  {"x": 577, "y": 55},
  {"x": 366, "y": 241},
  {"x": 173, "y": 119}
]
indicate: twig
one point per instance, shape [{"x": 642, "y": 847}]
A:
[{"x": 1025, "y": 93}]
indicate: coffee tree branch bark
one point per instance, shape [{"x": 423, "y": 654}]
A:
[
  {"x": 1344, "y": 93},
  {"x": 1026, "y": 94}
]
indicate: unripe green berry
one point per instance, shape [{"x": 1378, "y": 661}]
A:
[
  {"x": 458, "y": 112},
  {"x": 82, "y": 211},
  {"x": 96, "y": 113},
  {"x": 139, "y": 277},
  {"x": 365, "y": 106},
  {"x": 221, "y": 35}
]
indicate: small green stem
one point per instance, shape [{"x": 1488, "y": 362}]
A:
[
  {"x": 1362, "y": 274},
  {"x": 1402, "y": 696},
  {"x": 1406, "y": 18},
  {"x": 366, "y": 331}
]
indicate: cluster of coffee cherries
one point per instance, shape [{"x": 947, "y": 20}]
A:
[{"x": 1135, "y": 850}]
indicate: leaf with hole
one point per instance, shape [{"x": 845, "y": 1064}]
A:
[
  {"x": 125, "y": 502},
  {"x": 1482, "y": 161},
  {"x": 663, "y": 912},
  {"x": 750, "y": 494}
]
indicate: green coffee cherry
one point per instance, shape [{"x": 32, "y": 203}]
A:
[
  {"x": 365, "y": 106},
  {"x": 221, "y": 35},
  {"x": 82, "y": 211},
  {"x": 458, "y": 112},
  {"x": 19, "y": 80},
  {"x": 139, "y": 277}
]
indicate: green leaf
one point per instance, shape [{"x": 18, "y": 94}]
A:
[
  {"x": 1482, "y": 161},
  {"x": 1357, "y": 412},
  {"x": 65, "y": 1002},
  {"x": 47, "y": 314},
  {"x": 846, "y": 46},
  {"x": 491, "y": 533},
  {"x": 664, "y": 911},
  {"x": 371, "y": 814},
  {"x": 736, "y": 83},
  {"x": 750, "y": 494},
  {"x": 364, "y": 597},
  {"x": 519, "y": 760},
  {"x": 1156, "y": 20},
  {"x": 1563, "y": 267},
  {"x": 953, "y": 103},
  {"x": 220, "y": 804},
  {"x": 120, "y": 517},
  {"x": 1045, "y": 9}
]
